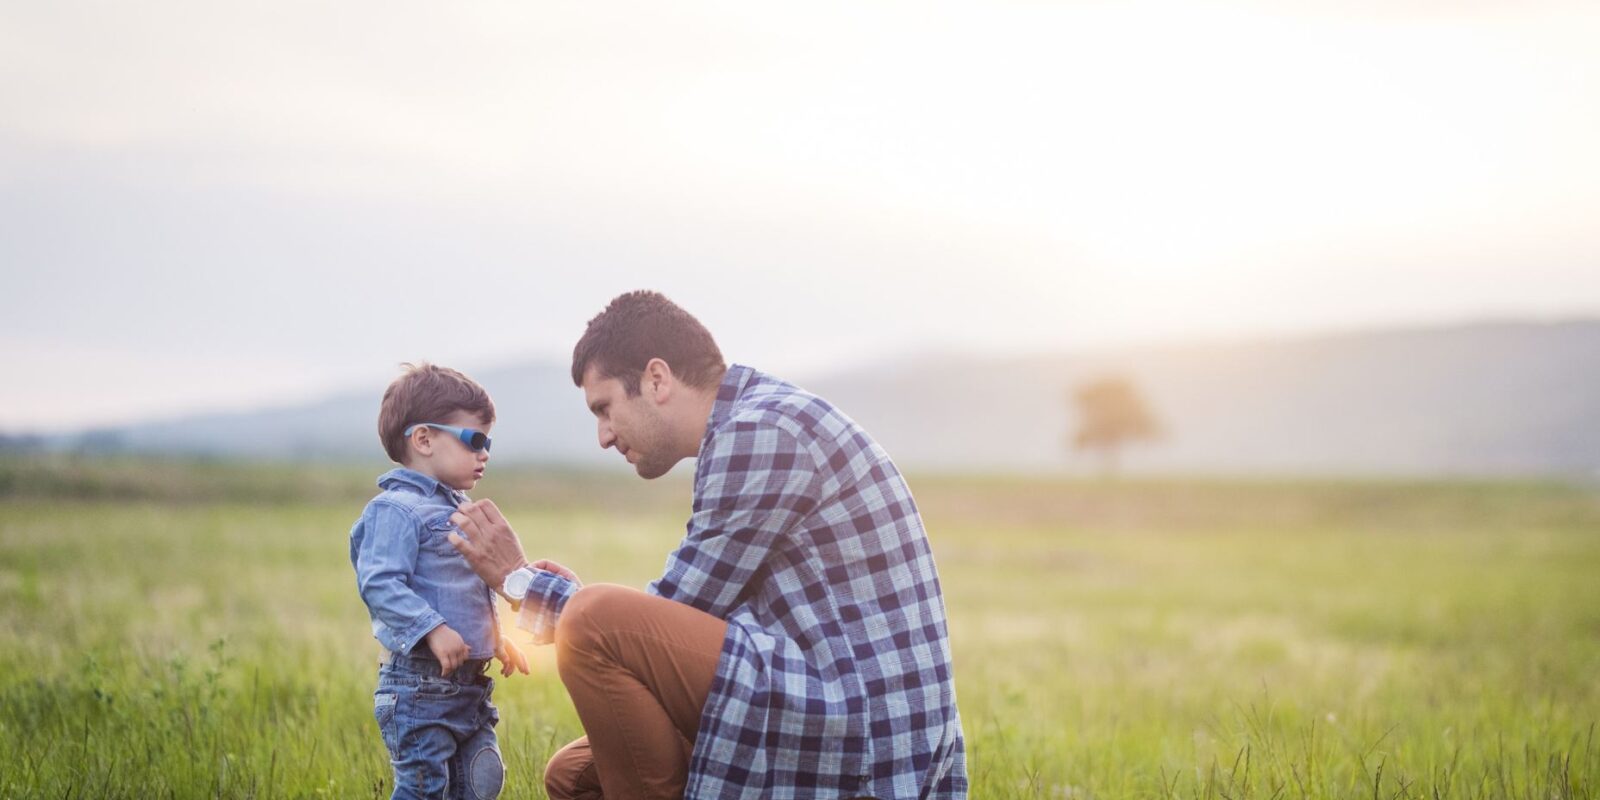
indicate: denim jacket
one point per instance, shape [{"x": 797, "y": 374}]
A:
[{"x": 410, "y": 576}]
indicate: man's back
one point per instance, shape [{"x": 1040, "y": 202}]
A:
[{"x": 836, "y": 677}]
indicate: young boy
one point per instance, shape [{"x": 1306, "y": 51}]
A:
[{"x": 434, "y": 617}]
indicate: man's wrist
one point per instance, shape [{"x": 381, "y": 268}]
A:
[
  {"x": 523, "y": 562},
  {"x": 512, "y": 597}
]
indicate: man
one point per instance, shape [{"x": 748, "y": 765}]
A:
[{"x": 796, "y": 644}]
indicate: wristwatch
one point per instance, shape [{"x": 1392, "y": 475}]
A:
[{"x": 516, "y": 584}]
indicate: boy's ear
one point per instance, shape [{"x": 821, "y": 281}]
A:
[{"x": 421, "y": 440}]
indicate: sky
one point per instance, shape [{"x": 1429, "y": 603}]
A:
[{"x": 210, "y": 205}]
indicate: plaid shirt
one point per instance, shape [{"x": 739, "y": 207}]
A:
[{"x": 835, "y": 678}]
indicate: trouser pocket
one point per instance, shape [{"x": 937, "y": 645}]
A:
[{"x": 384, "y": 705}]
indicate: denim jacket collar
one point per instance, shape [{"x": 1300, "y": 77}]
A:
[{"x": 426, "y": 484}]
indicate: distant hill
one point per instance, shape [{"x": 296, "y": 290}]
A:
[
  {"x": 1484, "y": 399},
  {"x": 1487, "y": 399},
  {"x": 542, "y": 419}
]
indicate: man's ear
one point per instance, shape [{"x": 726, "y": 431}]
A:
[{"x": 658, "y": 380}]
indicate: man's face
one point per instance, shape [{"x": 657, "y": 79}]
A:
[{"x": 633, "y": 425}]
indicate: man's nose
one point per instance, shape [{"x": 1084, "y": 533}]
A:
[{"x": 607, "y": 438}]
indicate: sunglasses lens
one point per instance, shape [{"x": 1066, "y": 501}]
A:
[{"x": 479, "y": 441}]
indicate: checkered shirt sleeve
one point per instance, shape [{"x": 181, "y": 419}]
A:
[{"x": 547, "y": 595}]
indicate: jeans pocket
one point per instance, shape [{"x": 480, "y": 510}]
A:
[
  {"x": 430, "y": 688},
  {"x": 385, "y": 705},
  {"x": 491, "y": 714}
]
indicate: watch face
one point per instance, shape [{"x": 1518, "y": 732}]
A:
[{"x": 517, "y": 583}]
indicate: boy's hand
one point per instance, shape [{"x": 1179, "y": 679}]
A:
[
  {"x": 511, "y": 658},
  {"x": 448, "y": 648}
]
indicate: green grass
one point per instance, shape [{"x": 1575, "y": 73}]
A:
[{"x": 192, "y": 630}]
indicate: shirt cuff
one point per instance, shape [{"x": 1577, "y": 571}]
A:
[
  {"x": 413, "y": 633},
  {"x": 547, "y": 595}
]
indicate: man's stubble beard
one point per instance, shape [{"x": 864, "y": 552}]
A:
[
  {"x": 650, "y": 470},
  {"x": 656, "y": 458}
]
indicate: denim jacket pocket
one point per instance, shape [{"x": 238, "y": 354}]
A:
[{"x": 436, "y": 532}]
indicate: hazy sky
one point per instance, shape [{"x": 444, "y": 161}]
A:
[{"x": 211, "y": 204}]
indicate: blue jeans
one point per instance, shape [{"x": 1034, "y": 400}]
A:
[{"x": 439, "y": 730}]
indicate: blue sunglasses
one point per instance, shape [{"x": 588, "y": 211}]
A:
[{"x": 475, "y": 439}]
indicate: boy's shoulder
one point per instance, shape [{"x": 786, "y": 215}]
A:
[
  {"x": 393, "y": 512},
  {"x": 410, "y": 492},
  {"x": 396, "y": 498}
]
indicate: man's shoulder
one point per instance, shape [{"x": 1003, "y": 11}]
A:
[
  {"x": 769, "y": 402},
  {"x": 801, "y": 419}
]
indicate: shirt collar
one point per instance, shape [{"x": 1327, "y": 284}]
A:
[
  {"x": 426, "y": 484},
  {"x": 734, "y": 382}
]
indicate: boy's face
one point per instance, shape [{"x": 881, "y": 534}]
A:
[{"x": 452, "y": 461}]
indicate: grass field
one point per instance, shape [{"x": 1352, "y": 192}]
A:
[{"x": 192, "y": 630}]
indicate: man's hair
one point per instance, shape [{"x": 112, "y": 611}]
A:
[
  {"x": 639, "y": 326},
  {"x": 427, "y": 393}
]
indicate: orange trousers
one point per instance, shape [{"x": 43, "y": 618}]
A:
[{"x": 638, "y": 668}]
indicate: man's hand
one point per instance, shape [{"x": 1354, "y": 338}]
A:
[
  {"x": 490, "y": 546},
  {"x": 448, "y": 648},
  {"x": 551, "y": 566},
  {"x": 511, "y": 658}
]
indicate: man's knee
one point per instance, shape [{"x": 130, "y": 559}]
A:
[
  {"x": 570, "y": 773},
  {"x": 588, "y": 614}
]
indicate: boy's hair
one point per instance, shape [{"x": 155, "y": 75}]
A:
[
  {"x": 427, "y": 393},
  {"x": 642, "y": 325}
]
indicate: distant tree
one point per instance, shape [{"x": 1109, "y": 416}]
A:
[{"x": 1111, "y": 413}]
